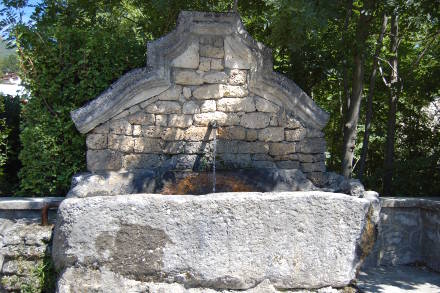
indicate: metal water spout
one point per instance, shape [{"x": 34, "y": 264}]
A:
[{"x": 213, "y": 124}]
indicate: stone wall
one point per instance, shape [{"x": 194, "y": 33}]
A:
[
  {"x": 409, "y": 232},
  {"x": 210, "y": 80},
  {"x": 25, "y": 264}
]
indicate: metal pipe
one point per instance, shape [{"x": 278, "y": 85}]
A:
[{"x": 45, "y": 212}]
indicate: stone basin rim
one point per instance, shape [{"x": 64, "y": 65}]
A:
[{"x": 221, "y": 196}]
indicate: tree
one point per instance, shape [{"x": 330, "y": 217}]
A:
[
  {"x": 70, "y": 51},
  {"x": 352, "y": 114},
  {"x": 369, "y": 114},
  {"x": 394, "y": 95}
]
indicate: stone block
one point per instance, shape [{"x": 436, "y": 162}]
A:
[
  {"x": 319, "y": 179},
  {"x": 205, "y": 64},
  {"x": 279, "y": 148},
  {"x": 211, "y": 51},
  {"x": 233, "y": 91},
  {"x": 141, "y": 161},
  {"x": 148, "y": 145},
  {"x": 295, "y": 134},
  {"x": 232, "y": 119},
  {"x": 307, "y": 158},
  {"x": 292, "y": 123},
  {"x": 217, "y": 42},
  {"x": 174, "y": 147},
  {"x": 206, "y": 40},
  {"x": 103, "y": 160},
  {"x": 185, "y": 162},
  {"x": 148, "y": 102},
  {"x": 255, "y": 120},
  {"x": 171, "y": 94},
  {"x": 251, "y": 135},
  {"x": 286, "y": 157},
  {"x": 288, "y": 164},
  {"x": 215, "y": 77},
  {"x": 173, "y": 134},
  {"x": 206, "y": 240},
  {"x": 274, "y": 120},
  {"x": 204, "y": 119},
  {"x": 261, "y": 157},
  {"x": 153, "y": 131},
  {"x": 198, "y": 147},
  {"x": 263, "y": 165},
  {"x": 208, "y": 106},
  {"x": 102, "y": 128},
  {"x": 227, "y": 146},
  {"x": 232, "y": 133},
  {"x": 160, "y": 120},
  {"x": 196, "y": 133},
  {"x": 14, "y": 283},
  {"x": 120, "y": 127},
  {"x": 141, "y": 118},
  {"x": 264, "y": 105},
  {"x": 207, "y": 92},
  {"x": 20, "y": 267},
  {"x": 313, "y": 167},
  {"x": 314, "y": 133},
  {"x": 189, "y": 58},
  {"x": 237, "y": 56},
  {"x": 253, "y": 147},
  {"x": 271, "y": 134},
  {"x": 96, "y": 141},
  {"x": 217, "y": 64},
  {"x": 237, "y": 77},
  {"x": 123, "y": 114},
  {"x": 312, "y": 145},
  {"x": 236, "y": 104},
  {"x": 187, "y": 92},
  {"x": 187, "y": 77},
  {"x": 190, "y": 107},
  {"x": 180, "y": 120},
  {"x": 137, "y": 130},
  {"x": 121, "y": 143},
  {"x": 234, "y": 161},
  {"x": 164, "y": 107}
]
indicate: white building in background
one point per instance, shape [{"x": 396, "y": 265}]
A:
[{"x": 11, "y": 85}]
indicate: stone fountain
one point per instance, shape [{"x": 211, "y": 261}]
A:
[{"x": 208, "y": 100}]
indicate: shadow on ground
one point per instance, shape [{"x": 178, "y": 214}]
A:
[{"x": 398, "y": 279}]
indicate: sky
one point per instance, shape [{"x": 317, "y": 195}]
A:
[{"x": 28, "y": 10}]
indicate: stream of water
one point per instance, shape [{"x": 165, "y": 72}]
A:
[{"x": 214, "y": 155}]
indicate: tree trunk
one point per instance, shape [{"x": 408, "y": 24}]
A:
[
  {"x": 344, "y": 96},
  {"x": 352, "y": 116},
  {"x": 391, "y": 123},
  {"x": 346, "y": 101},
  {"x": 369, "y": 114}
]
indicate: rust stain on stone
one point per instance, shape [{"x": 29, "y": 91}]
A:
[
  {"x": 368, "y": 238},
  {"x": 202, "y": 184}
]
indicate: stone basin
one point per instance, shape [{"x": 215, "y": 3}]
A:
[{"x": 219, "y": 241}]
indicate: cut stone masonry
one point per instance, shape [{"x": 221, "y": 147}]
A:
[{"x": 206, "y": 70}]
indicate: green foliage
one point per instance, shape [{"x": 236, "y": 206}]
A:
[
  {"x": 4, "y": 50},
  {"x": 47, "y": 275},
  {"x": 41, "y": 279},
  {"x": 4, "y": 132},
  {"x": 9, "y": 64},
  {"x": 74, "y": 50},
  {"x": 75, "y": 55},
  {"x": 11, "y": 144}
]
